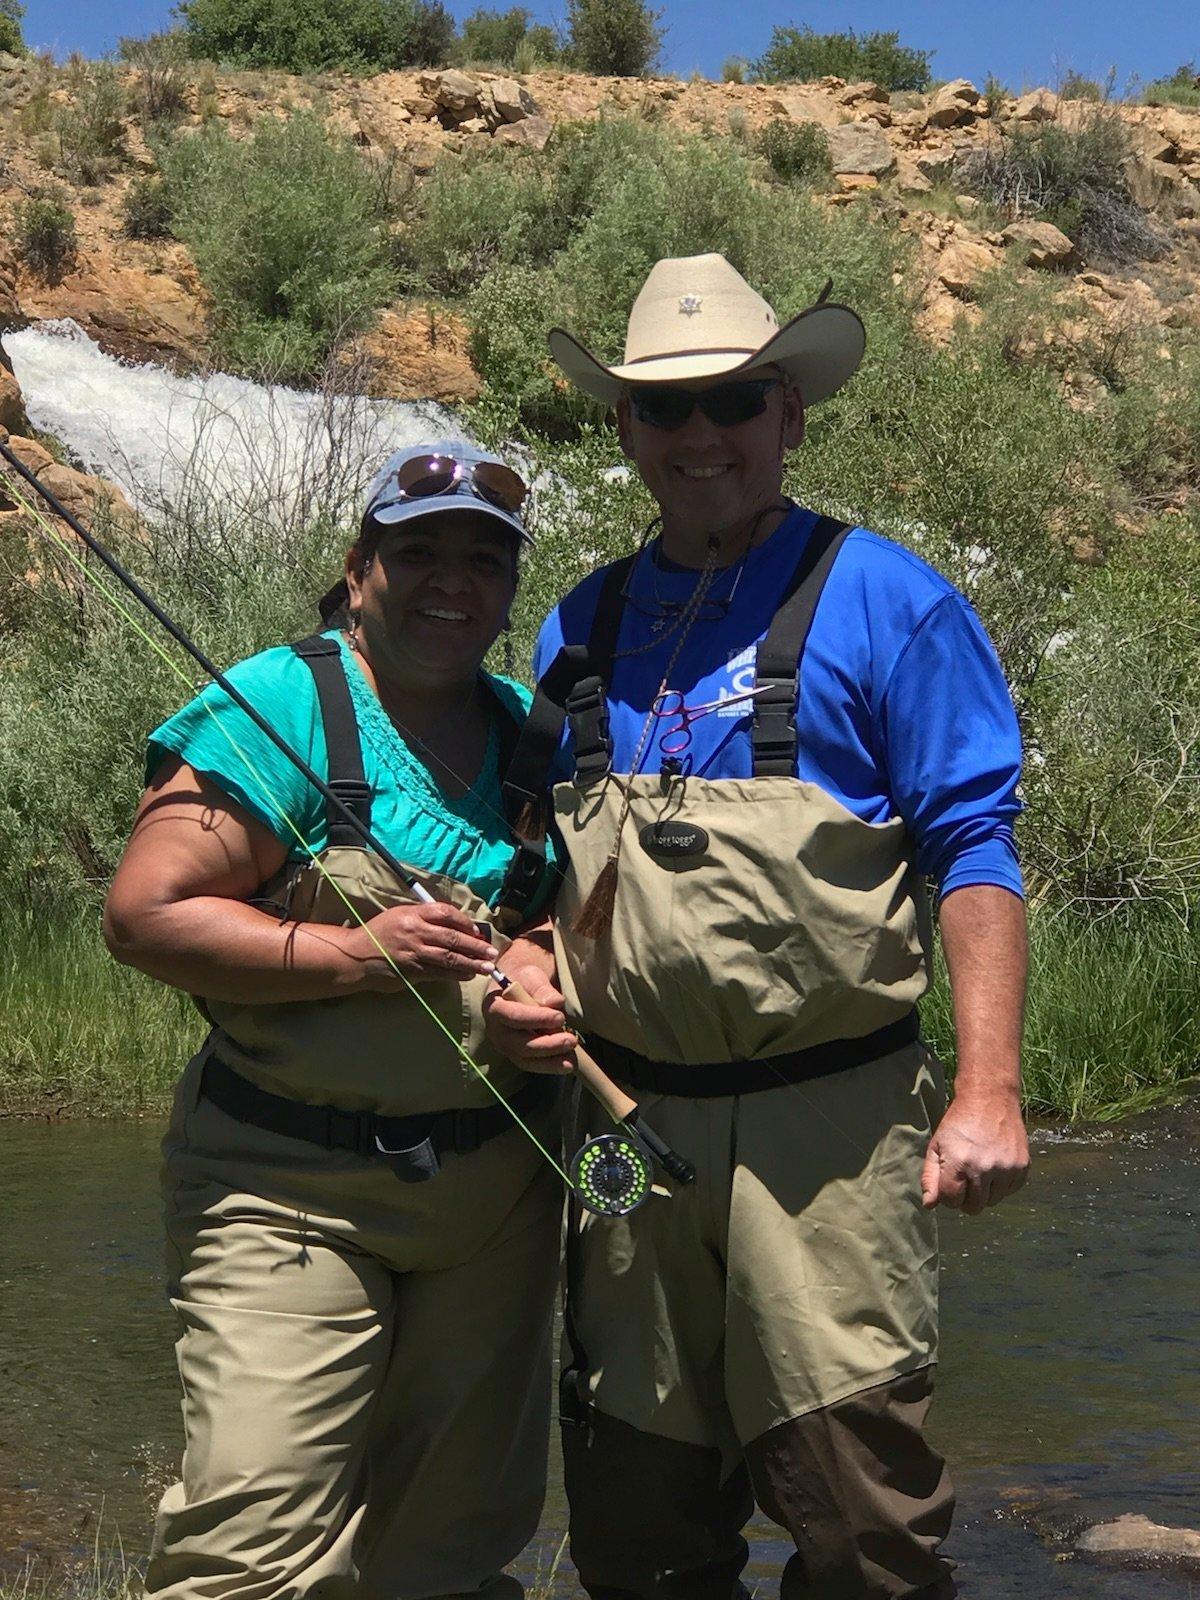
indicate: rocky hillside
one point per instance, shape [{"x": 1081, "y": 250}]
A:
[{"x": 898, "y": 154}]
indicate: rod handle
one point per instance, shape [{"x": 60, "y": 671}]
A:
[{"x": 616, "y": 1102}]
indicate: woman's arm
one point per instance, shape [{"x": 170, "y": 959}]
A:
[{"x": 177, "y": 910}]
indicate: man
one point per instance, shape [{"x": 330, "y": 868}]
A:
[{"x": 778, "y": 728}]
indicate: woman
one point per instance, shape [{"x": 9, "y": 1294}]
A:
[{"x": 362, "y": 1243}]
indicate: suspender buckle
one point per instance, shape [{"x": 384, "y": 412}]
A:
[
  {"x": 587, "y": 712},
  {"x": 773, "y": 734}
]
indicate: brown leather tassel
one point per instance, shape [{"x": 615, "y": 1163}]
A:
[
  {"x": 531, "y": 820},
  {"x": 596, "y": 912}
]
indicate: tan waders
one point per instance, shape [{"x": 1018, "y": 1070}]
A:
[
  {"x": 769, "y": 1331},
  {"x": 364, "y": 1343}
]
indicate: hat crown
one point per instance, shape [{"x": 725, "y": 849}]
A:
[{"x": 693, "y": 304}]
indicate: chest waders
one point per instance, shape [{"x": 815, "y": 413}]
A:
[
  {"x": 762, "y": 935},
  {"x": 404, "y": 1094}
]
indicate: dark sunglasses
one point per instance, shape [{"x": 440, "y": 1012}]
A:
[
  {"x": 727, "y": 406},
  {"x": 421, "y": 477}
]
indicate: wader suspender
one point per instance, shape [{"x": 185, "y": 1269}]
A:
[{"x": 322, "y": 656}]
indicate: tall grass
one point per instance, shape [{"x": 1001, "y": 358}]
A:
[
  {"x": 80, "y": 1035},
  {"x": 1112, "y": 1024}
]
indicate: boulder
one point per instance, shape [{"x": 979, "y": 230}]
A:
[
  {"x": 1135, "y": 1541},
  {"x": 1041, "y": 105},
  {"x": 937, "y": 165},
  {"x": 855, "y": 182},
  {"x": 513, "y": 102},
  {"x": 803, "y": 105},
  {"x": 420, "y": 105},
  {"x": 1181, "y": 134},
  {"x": 854, "y": 93},
  {"x": 1041, "y": 244},
  {"x": 910, "y": 178},
  {"x": 12, "y": 403},
  {"x": 473, "y": 125},
  {"x": 455, "y": 92},
  {"x": 860, "y": 147},
  {"x": 534, "y": 133},
  {"x": 961, "y": 264},
  {"x": 953, "y": 103}
]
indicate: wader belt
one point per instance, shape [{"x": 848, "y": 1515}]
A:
[
  {"x": 574, "y": 687},
  {"x": 346, "y": 776},
  {"x": 367, "y": 1133},
  {"x": 709, "y": 1079}
]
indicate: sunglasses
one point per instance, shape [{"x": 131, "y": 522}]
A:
[
  {"x": 422, "y": 477},
  {"x": 727, "y": 406}
]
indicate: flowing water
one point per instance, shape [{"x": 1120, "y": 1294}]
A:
[{"x": 1069, "y": 1390}]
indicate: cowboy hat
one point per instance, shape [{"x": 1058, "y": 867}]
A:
[{"x": 696, "y": 317}]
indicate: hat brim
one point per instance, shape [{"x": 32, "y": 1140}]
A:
[
  {"x": 446, "y": 505},
  {"x": 819, "y": 350}
]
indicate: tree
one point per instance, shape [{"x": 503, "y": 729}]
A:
[
  {"x": 11, "y": 38},
  {"x": 613, "y": 38}
]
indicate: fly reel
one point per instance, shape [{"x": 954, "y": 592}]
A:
[{"x": 612, "y": 1175}]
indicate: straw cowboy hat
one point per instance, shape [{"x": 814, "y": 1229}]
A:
[{"x": 696, "y": 317}]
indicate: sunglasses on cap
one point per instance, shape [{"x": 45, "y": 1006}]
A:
[
  {"x": 423, "y": 477},
  {"x": 727, "y": 405}
]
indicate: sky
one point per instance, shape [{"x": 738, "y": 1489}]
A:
[{"x": 1023, "y": 42}]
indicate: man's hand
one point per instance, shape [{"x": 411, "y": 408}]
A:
[
  {"x": 535, "y": 1037},
  {"x": 978, "y": 1154}
]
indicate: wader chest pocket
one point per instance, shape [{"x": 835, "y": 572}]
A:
[{"x": 669, "y": 842}]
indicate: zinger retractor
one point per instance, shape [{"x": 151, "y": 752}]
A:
[{"x": 612, "y": 1175}]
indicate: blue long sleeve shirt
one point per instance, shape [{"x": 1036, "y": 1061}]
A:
[{"x": 903, "y": 709}]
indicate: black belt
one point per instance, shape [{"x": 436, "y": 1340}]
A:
[
  {"x": 368, "y": 1133},
  {"x": 706, "y": 1079}
]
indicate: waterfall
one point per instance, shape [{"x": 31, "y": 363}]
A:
[{"x": 271, "y": 453}]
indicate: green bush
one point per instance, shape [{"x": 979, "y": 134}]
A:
[
  {"x": 311, "y": 35},
  {"x": 504, "y": 36},
  {"x": 995, "y": 95},
  {"x": 147, "y": 212},
  {"x": 734, "y": 69},
  {"x": 163, "y": 65},
  {"x": 44, "y": 233},
  {"x": 90, "y": 129},
  {"x": 797, "y": 151},
  {"x": 11, "y": 37},
  {"x": 289, "y": 231},
  {"x": 613, "y": 38},
  {"x": 1074, "y": 176},
  {"x": 801, "y": 54},
  {"x": 1182, "y": 88},
  {"x": 1077, "y": 87}
]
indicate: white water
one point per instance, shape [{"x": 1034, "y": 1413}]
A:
[{"x": 169, "y": 441}]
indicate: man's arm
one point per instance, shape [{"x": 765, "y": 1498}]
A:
[{"x": 979, "y": 1152}]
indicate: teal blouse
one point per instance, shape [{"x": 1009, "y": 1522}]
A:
[{"x": 466, "y": 838}]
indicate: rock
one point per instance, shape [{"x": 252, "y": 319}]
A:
[
  {"x": 968, "y": 204},
  {"x": 937, "y": 165},
  {"x": 534, "y": 133},
  {"x": 1042, "y": 244},
  {"x": 419, "y": 355},
  {"x": 473, "y": 125},
  {"x": 1182, "y": 134},
  {"x": 953, "y": 103},
  {"x": 910, "y": 178},
  {"x": 1134, "y": 1540},
  {"x": 420, "y": 105},
  {"x": 854, "y": 182},
  {"x": 802, "y": 105},
  {"x": 860, "y": 147},
  {"x": 456, "y": 92},
  {"x": 12, "y": 403},
  {"x": 1039, "y": 106},
  {"x": 513, "y": 102},
  {"x": 961, "y": 264},
  {"x": 82, "y": 495},
  {"x": 854, "y": 93}
]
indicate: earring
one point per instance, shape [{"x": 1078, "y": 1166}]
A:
[{"x": 352, "y": 641}]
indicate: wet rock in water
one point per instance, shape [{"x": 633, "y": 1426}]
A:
[{"x": 1134, "y": 1541}]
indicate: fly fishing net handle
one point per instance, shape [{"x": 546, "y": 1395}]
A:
[{"x": 622, "y": 1108}]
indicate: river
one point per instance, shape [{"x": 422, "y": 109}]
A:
[{"x": 1069, "y": 1391}]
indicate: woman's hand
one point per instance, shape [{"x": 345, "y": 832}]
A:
[
  {"x": 423, "y": 943},
  {"x": 535, "y": 1037}
]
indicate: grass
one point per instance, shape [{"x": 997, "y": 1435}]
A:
[
  {"x": 1112, "y": 1027},
  {"x": 80, "y": 1035}
]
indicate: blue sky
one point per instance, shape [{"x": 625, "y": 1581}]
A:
[{"x": 1024, "y": 42}]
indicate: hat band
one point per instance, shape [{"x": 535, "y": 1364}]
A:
[{"x": 710, "y": 350}]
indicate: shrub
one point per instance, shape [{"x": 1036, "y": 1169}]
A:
[
  {"x": 501, "y": 36},
  {"x": 797, "y": 151},
  {"x": 735, "y": 69},
  {"x": 11, "y": 38},
  {"x": 1076, "y": 87},
  {"x": 311, "y": 35},
  {"x": 1072, "y": 176},
  {"x": 995, "y": 95},
  {"x": 1182, "y": 88},
  {"x": 163, "y": 66},
  {"x": 147, "y": 210},
  {"x": 613, "y": 38},
  {"x": 539, "y": 48},
  {"x": 44, "y": 233},
  {"x": 289, "y": 230},
  {"x": 800, "y": 54},
  {"x": 90, "y": 128}
]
